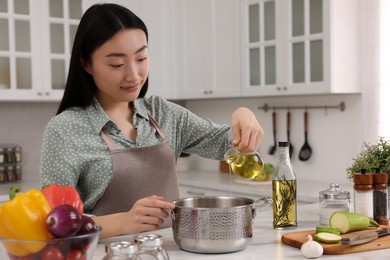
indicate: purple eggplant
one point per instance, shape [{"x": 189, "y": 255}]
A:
[{"x": 63, "y": 221}]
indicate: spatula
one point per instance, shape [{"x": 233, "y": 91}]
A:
[
  {"x": 291, "y": 149},
  {"x": 305, "y": 152},
  {"x": 272, "y": 149}
]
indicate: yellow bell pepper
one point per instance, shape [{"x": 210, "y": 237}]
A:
[{"x": 23, "y": 218}]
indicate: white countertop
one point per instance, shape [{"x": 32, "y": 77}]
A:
[
  {"x": 215, "y": 180},
  {"x": 266, "y": 243},
  {"x": 308, "y": 191}
]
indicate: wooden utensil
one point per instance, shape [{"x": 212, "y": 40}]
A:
[
  {"x": 305, "y": 151},
  {"x": 288, "y": 132},
  {"x": 272, "y": 149}
]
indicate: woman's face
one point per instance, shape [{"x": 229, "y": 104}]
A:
[{"x": 120, "y": 66}]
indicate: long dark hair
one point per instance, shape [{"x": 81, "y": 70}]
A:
[{"x": 98, "y": 24}]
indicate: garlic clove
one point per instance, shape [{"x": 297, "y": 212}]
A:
[{"x": 312, "y": 249}]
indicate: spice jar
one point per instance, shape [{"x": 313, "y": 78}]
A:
[
  {"x": 3, "y": 175},
  {"x": 331, "y": 200},
  {"x": 150, "y": 247},
  {"x": 123, "y": 250},
  {"x": 9, "y": 155},
  {"x": 364, "y": 193},
  {"x": 380, "y": 198},
  {"x": 17, "y": 154},
  {"x": 2, "y": 155}
]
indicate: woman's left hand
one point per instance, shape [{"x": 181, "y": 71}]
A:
[{"x": 246, "y": 129}]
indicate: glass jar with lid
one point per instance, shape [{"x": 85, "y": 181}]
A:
[
  {"x": 121, "y": 250},
  {"x": 149, "y": 247},
  {"x": 331, "y": 200}
]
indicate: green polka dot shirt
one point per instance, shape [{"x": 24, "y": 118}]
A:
[{"x": 74, "y": 153}]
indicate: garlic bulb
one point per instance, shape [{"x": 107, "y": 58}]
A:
[{"x": 312, "y": 249}]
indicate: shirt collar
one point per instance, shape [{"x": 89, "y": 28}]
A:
[
  {"x": 140, "y": 108},
  {"x": 97, "y": 116},
  {"x": 100, "y": 119}
]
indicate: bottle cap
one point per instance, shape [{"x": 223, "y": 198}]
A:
[
  {"x": 380, "y": 178},
  {"x": 363, "y": 187},
  {"x": 363, "y": 178},
  {"x": 122, "y": 247},
  {"x": 148, "y": 240},
  {"x": 334, "y": 192},
  {"x": 380, "y": 186},
  {"x": 284, "y": 144}
]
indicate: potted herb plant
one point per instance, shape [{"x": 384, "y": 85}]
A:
[{"x": 373, "y": 158}]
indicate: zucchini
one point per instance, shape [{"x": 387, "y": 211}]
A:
[
  {"x": 327, "y": 237},
  {"x": 348, "y": 222},
  {"x": 323, "y": 229}
]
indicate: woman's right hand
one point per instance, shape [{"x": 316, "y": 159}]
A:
[{"x": 146, "y": 214}]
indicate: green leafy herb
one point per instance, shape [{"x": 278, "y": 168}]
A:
[{"x": 373, "y": 158}]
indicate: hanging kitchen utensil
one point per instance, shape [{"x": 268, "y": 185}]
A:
[
  {"x": 305, "y": 152},
  {"x": 288, "y": 132},
  {"x": 272, "y": 149}
]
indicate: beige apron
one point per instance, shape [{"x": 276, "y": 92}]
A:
[{"x": 139, "y": 173}]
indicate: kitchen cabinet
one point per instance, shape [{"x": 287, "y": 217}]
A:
[
  {"x": 300, "y": 47},
  {"x": 159, "y": 18},
  {"x": 207, "y": 48},
  {"x": 35, "y": 46}
]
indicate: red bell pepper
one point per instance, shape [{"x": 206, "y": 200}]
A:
[{"x": 58, "y": 195}]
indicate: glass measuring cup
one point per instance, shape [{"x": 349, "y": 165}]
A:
[{"x": 245, "y": 165}]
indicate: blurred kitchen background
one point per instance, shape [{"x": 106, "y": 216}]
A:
[{"x": 212, "y": 71}]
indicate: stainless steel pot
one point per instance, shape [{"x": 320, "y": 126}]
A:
[{"x": 214, "y": 224}]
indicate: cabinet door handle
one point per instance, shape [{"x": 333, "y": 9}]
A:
[{"x": 195, "y": 193}]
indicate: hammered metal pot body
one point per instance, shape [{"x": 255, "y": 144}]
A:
[{"x": 213, "y": 224}]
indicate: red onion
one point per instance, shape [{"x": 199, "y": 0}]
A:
[
  {"x": 87, "y": 226},
  {"x": 63, "y": 221}
]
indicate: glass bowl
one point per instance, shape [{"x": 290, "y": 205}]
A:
[{"x": 75, "y": 247}]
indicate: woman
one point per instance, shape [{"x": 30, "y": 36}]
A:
[{"x": 118, "y": 147}]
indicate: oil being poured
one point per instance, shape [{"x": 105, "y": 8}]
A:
[{"x": 247, "y": 166}]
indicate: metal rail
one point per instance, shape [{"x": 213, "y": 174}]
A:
[{"x": 340, "y": 106}]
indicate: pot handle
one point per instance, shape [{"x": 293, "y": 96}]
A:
[{"x": 262, "y": 202}]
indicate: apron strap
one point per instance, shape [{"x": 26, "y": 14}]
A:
[
  {"x": 157, "y": 126},
  {"x": 107, "y": 138}
]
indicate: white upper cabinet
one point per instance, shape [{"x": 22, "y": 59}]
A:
[
  {"x": 300, "y": 47},
  {"x": 35, "y": 47},
  {"x": 158, "y": 18},
  {"x": 207, "y": 49},
  {"x": 198, "y": 48}
]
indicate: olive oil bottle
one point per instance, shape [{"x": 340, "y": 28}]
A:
[
  {"x": 247, "y": 166},
  {"x": 284, "y": 191}
]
